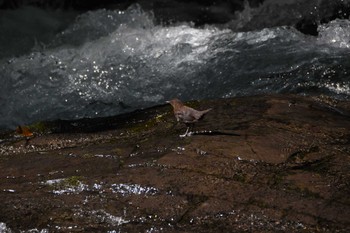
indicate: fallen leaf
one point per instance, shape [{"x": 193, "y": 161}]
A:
[{"x": 24, "y": 131}]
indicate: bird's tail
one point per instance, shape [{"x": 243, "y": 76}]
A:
[
  {"x": 205, "y": 111},
  {"x": 200, "y": 114}
]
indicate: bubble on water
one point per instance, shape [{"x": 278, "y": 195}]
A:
[{"x": 133, "y": 189}]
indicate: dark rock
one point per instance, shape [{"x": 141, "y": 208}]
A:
[
  {"x": 259, "y": 164},
  {"x": 307, "y": 26}
]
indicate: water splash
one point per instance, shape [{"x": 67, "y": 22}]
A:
[
  {"x": 336, "y": 33},
  {"x": 110, "y": 62}
]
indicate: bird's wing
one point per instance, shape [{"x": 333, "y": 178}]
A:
[
  {"x": 190, "y": 115},
  {"x": 178, "y": 114}
]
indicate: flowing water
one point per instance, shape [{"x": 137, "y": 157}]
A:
[{"x": 107, "y": 62}]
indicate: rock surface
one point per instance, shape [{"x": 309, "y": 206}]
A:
[{"x": 257, "y": 164}]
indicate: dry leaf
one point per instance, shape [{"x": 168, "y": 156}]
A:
[{"x": 24, "y": 131}]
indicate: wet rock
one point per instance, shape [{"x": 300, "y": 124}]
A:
[{"x": 261, "y": 164}]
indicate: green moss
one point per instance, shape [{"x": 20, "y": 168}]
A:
[
  {"x": 193, "y": 104},
  {"x": 149, "y": 124},
  {"x": 39, "y": 127},
  {"x": 141, "y": 127},
  {"x": 88, "y": 155},
  {"x": 72, "y": 181},
  {"x": 118, "y": 151},
  {"x": 160, "y": 117}
]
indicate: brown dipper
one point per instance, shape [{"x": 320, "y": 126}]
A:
[{"x": 186, "y": 114}]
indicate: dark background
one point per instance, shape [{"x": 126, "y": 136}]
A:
[{"x": 202, "y": 12}]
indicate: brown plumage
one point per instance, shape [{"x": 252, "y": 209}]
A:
[{"x": 186, "y": 114}]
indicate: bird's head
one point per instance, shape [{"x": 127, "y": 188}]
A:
[{"x": 176, "y": 103}]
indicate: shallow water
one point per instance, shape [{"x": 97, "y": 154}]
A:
[{"x": 109, "y": 62}]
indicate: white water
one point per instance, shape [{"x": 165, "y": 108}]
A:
[{"x": 109, "y": 62}]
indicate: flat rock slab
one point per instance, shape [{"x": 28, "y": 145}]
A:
[{"x": 257, "y": 164}]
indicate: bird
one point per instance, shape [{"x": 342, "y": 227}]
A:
[{"x": 186, "y": 114}]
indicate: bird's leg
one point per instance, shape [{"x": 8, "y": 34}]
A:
[
  {"x": 188, "y": 130},
  {"x": 185, "y": 134}
]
